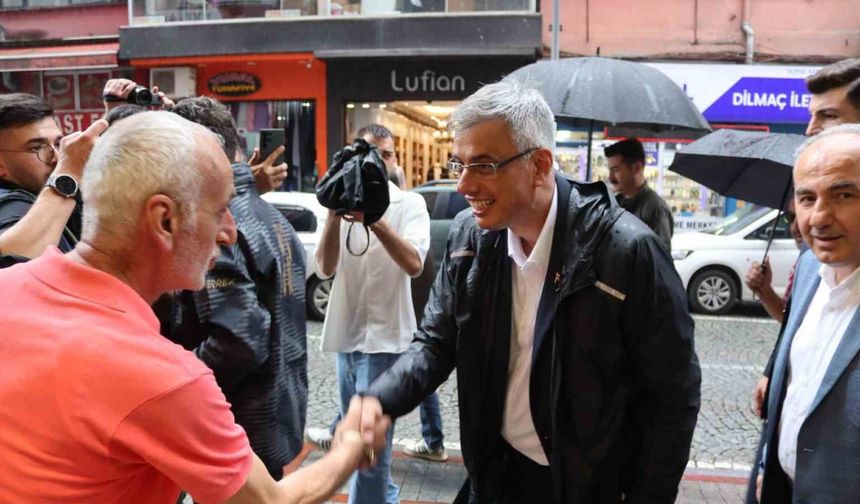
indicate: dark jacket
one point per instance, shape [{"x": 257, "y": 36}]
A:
[
  {"x": 248, "y": 326},
  {"x": 650, "y": 208},
  {"x": 16, "y": 201},
  {"x": 828, "y": 443},
  {"x": 615, "y": 380}
]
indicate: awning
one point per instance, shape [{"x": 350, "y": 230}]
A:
[{"x": 64, "y": 57}]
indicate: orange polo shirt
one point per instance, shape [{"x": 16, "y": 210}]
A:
[{"x": 96, "y": 406}]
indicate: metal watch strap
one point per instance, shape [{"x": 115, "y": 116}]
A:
[{"x": 52, "y": 183}]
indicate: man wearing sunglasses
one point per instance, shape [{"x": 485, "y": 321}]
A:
[
  {"x": 39, "y": 175},
  {"x": 564, "y": 318}
]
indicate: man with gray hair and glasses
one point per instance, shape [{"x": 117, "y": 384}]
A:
[
  {"x": 565, "y": 319},
  {"x": 98, "y": 406}
]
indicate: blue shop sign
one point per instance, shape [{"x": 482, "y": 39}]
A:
[{"x": 762, "y": 100}]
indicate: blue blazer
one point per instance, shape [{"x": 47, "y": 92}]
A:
[{"x": 828, "y": 445}]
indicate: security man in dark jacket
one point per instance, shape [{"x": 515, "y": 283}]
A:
[
  {"x": 566, "y": 322},
  {"x": 248, "y": 323},
  {"x": 626, "y": 161}
]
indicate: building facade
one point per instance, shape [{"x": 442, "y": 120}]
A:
[{"x": 323, "y": 69}]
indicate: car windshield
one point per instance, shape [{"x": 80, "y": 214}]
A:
[{"x": 738, "y": 220}]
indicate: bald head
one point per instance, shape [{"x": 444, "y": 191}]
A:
[
  {"x": 157, "y": 189},
  {"x": 827, "y": 197},
  {"x": 142, "y": 155}
]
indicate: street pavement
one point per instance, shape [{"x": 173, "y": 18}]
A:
[{"x": 732, "y": 352}]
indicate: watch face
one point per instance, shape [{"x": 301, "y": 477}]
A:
[{"x": 66, "y": 185}]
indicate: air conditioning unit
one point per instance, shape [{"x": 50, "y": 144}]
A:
[{"x": 175, "y": 82}]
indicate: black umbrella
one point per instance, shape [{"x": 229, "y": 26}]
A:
[
  {"x": 750, "y": 165},
  {"x": 594, "y": 91}
]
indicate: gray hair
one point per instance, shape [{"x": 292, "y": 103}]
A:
[
  {"x": 145, "y": 154},
  {"x": 522, "y": 107},
  {"x": 850, "y": 129}
]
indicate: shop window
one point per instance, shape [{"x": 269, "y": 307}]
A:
[
  {"x": 297, "y": 118},
  {"x": 36, "y": 4},
  {"x": 74, "y": 96},
  {"x": 420, "y": 132},
  {"x": 21, "y": 82},
  {"x": 160, "y": 11},
  {"x": 196, "y": 10},
  {"x": 489, "y": 5}
]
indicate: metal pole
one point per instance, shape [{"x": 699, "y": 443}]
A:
[
  {"x": 555, "y": 28},
  {"x": 588, "y": 160}
]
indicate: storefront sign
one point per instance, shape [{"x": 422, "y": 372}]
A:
[
  {"x": 744, "y": 93},
  {"x": 758, "y": 99},
  {"x": 685, "y": 223},
  {"x": 428, "y": 81},
  {"x": 652, "y": 154},
  {"x": 392, "y": 79},
  {"x": 234, "y": 84},
  {"x": 77, "y": 121}
]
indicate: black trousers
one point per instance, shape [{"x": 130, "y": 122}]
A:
[{"x": 523, "y": 481}]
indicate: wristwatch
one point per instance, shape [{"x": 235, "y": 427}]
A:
[{"x": 64, "y": 185}]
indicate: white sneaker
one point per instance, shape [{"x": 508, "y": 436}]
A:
[
  {"x": 419, "y": 449},
  {"x": 320, "y": 438}
]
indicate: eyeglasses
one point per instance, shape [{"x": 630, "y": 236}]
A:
[
  {"x": 484, "y": 169},
  {"x": 44, "y": 152}
]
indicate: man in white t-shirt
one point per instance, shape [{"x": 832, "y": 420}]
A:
[{"x": 370, "y": 318}]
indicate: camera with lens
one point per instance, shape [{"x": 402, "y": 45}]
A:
[
  {"x": 140, "y": 95},
  {"x": 143, "y": 96}
]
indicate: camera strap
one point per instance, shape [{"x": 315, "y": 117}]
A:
[{"x": 349, "y": 235}]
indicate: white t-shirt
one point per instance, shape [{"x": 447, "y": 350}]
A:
[{"x": 370, "y": 309}]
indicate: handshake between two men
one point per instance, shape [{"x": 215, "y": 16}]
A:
[{"x": 358, "y": 436}]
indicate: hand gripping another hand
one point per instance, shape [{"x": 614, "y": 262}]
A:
[{"x": 363, "y": 430}]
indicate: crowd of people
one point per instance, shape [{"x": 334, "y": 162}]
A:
[{"x": 154, "y": 337}]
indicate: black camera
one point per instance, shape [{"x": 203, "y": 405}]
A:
[
  {"x": 143, "y": 96},
  {"x": 140, "y": 95}
]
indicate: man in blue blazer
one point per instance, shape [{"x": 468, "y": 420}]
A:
[{"x": 812, "y": 436}]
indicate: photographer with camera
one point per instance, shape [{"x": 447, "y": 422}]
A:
[
  {"x": 125, "y": 93},
  {"x": 370, "y": 317},
  {"x": 119, "y": 92},
  {"x": 39, "y": 176}
]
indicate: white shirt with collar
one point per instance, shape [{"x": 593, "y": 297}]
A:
[
  {"x": 527, "y": 281},
  {"x": 829, "y": 314},
  {"x": 370, "y": 309}
]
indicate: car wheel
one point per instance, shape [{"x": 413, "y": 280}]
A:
[
  {"x": 318, "y": 292},
  {"x": 712, "y": 292}
]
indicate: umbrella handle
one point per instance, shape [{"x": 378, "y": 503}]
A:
[{"x": 776, "y": 221}]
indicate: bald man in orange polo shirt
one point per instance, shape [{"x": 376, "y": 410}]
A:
[{"x": 97, "y": 406}]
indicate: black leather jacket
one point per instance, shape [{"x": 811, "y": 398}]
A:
[
  {"x": 614, "y": 389},
  {"x": 248, "y": 326}
]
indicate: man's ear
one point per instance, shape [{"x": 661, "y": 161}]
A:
[
  {"x": 542, "y": 159},
  {"x": 161, "y": 220}
]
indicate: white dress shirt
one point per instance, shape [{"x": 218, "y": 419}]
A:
[
  {"x": 830, "y": 311},
  {"x": 370, "y": 309},
  {"x": 527, "y": 281}
]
